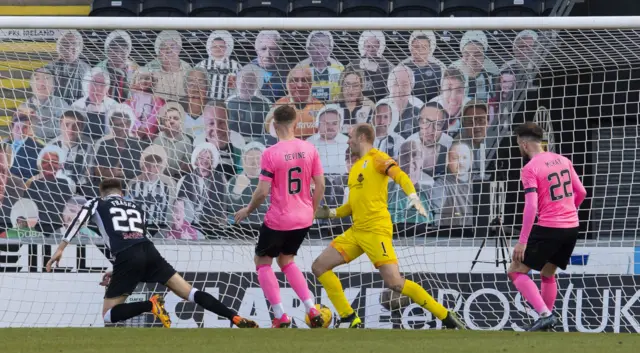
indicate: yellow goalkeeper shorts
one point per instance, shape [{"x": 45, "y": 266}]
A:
[{"x": 353, "y": 243}]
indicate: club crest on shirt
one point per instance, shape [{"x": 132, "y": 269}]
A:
[{"x": 360, "y": 177}]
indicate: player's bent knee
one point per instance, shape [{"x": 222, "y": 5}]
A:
[
  {"x": 395, "y": 284},
  {"x": 392, "y": 279},
  {"x": 318, "y": 268},
  {"x": 284, "y": 260},
  {"x": 262, "y": 260},
  {"x": 549, "y": 270},
  {"x": 518, "y": 268}
]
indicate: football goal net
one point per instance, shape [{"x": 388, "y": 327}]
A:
[{"x": 182, "y": 109}]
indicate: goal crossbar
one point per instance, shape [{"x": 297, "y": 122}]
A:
[{"x": 284, "y": 24}]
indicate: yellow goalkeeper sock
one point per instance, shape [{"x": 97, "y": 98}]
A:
[
  {"x": 332, "y": 285},
  {"x": 420, "y": 296}
]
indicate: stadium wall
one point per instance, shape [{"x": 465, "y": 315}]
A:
[
  {"x": 590, "y": 298},
  {"x": 613, "y": 261}
]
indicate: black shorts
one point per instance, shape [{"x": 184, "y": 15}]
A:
[
  {"x": 550, "y": 245},
  {"x": 140, "y": 263},
  {"x": 275, "y": 242}
]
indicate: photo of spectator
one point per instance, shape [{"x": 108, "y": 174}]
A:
[
  {"x": 179, "y": 220},
  {"x": 503, "y": 101},
  {"x": 325, "y": 70},
  {"x": 119, "y": 143},
  {"x": 221, "y": 68},
  {"x": 24, "y": 220},
  {"x": 524, "y": 62},
  {"x": 274, "y": 66},
  {"x": 427, "y": 70},
  {"x": 51, "y": 188},
  {"x": 11, "y": 187},
  {"x": 48, "y": 107},
  {"x": 197, "y": 88},
  {"x": 240, "y": 188},
  {"x": 228, "y": 143},
  {"x": 337, "y": 190},
  {"x": 247, "y": 109},
  {"x": 452, "y": 97},
  {"x": 329, "y": 142},
  {"x": 95, "y": 103},
  {"x": 350, "y": 159},
  {"x": 374, "y": 65},
  {"x": 385, "y": 120},
  {"x": 432, "y": 139},
  {"x": 479, "y": 71},
  {"x": 68, "y": 69},
  {"x": 410, "y": 161},
  {"x": 299, "y": 97},
  {"x": 205, "y": 187},
  {"x": 24, "y": 147},
  {"x": 474, "y": 131},
  {"x": 168, "y": 69},
  {"x": 153, "y": 189},
  {"x": 400, "y": 83},
  {"x": 356, "y": 108},
  {"x": 145, "y": 105},
  {"x": 451, "y": 195},
  {"x": 119, "y": 64},
  {"x": 107, "y": 166},
  {"x": 176, "y": 144},
  {"x": 74, "y": 144},
  {"x": 71, "y": 210}
]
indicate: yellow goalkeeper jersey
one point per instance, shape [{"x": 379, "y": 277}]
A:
[{"x": 368, "y": 183}]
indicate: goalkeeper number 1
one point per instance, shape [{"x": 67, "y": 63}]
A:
[{"x": 371, "y": 232}]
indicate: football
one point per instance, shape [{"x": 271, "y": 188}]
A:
[{"x": 326, "y": 313}]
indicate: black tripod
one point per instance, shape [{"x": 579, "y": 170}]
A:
[{"x": 496, "y": 231}]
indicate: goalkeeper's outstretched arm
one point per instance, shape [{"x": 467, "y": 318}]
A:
[{"x": 389, "y": 167}]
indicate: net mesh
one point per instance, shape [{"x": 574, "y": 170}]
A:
[{"x": 183, "y": 117}]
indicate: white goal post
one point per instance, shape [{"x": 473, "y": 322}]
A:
[{"x": 180, "y": 108}]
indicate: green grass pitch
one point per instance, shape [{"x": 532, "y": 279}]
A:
[{"x": 159, "y": 340}]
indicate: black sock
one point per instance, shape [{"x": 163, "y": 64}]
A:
[
  {"x": 126, "y": 311},
  {"x": 212, "y": 304}
]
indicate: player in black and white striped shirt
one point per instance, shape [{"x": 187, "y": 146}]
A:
[{"x": 135, "y": 259}]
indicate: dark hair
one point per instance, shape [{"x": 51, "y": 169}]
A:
[
  {"x": 284, "y": 114},
  {"x": 110, "y": 184},
  {"x": 366, "y": 130},
  {"x": 118, "y": 115},
  {"x": 530, "y": 130},
  {"x": 74, "y": 114},
  {"x": 119, "y": 43},
  {"x": 475, "y": 103},
  {"x": 439, "y": 107}
]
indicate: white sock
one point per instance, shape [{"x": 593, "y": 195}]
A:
[
  {"x": 107, "y": 317},
  {"x": 278, "y": 310},
  {"x": 545, "y": 313},
  {"x": 192, "y": 295},
  {"x": 309, "y": 304}
]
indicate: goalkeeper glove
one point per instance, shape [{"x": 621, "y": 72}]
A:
[
  {"x": 325, "y": 212},
  {"x": 414, "y": 201}
]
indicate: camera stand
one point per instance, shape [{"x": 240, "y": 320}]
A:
[{"x": 496, "y": 230}]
